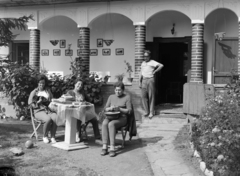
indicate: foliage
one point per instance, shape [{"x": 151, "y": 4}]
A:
[
  {"x": 120, "y": 77},
  {"x": 216, "y": 134},
  {"x": 92, "y": 82},
  {"x": 7, "y": 24},
  {"x": 17, "y": 82},
  {"x": 129, "y": 68}
]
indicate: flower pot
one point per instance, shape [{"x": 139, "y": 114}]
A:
[{"x": 130, "y": 79}]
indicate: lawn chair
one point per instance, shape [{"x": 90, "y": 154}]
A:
[
  {"x": 84, "y": 131},
  {"x": 35, "y": 123},
  {"x": 124, "y": 131}
]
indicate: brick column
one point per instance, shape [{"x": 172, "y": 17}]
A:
[
  {"x": 84, "y": 36},
  {"x": 34, "y": 49},
  {"x": 140, "y": 38},
  {"x": 197, "y": 53}
]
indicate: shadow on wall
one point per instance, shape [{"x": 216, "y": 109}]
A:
[{"x": 227, "y": 51}]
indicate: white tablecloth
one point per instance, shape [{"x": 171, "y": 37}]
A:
[{"x": 82, "y": 112}]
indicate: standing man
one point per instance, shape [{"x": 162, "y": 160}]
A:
[{"x": 146, "y": 83}]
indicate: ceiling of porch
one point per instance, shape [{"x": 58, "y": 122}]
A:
[{"x": 14, "y": 3}]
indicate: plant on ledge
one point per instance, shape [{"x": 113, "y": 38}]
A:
[
  {"x": 119, "y": 77},
  {"x": 129, "y": 71}
]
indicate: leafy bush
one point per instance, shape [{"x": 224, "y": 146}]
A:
[
  {"x": 18, "y": 81},
  {"x": 216, "y": 134},
  {"x": 92, "y": 81}
]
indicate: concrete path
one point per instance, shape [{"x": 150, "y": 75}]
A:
[{"x": 158, "y": 135}]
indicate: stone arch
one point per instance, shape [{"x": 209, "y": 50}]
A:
[
  {"x": 52, "y": 16},
  {"x": 217, "y": 8},
  {"x": 170, "y": 10},
  {"x": 217, "y": 21},
  {"x": 158, "y": 26},
  {"x": 103, "y": 14}
]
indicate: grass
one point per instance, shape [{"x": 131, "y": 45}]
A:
[
  {"x": 182, "y": 145},
  {"x": 42, "y": 159}
]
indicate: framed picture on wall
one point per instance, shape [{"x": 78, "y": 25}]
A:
[
  {"x": 99, "y": 42},
  {"x": 45, "y": 52},
  {"x": 93, "y": 52},
  {"x": 119, "y": 51},
  {"x": 68, "y": 52},
  {"x": 106, "y": 52},
  {"x": 57, "y": 52},
  {"x": 62, "y": 43}
]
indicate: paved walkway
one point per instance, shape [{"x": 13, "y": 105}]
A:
[{"x": 158, "y": 134}]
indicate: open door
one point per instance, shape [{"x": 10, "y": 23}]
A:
[{"x": 225, "y": 60}]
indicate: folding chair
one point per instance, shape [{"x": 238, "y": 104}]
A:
[
  {"x": 84, "y": 130},
  {"x": 35, "y": 123},
  {"x": 124, "y": 131},
  {"x": 129, "y": 127}
]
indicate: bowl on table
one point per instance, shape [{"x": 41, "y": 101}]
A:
[{"x": 76, "y": 103}]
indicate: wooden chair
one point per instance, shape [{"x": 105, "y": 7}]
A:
[{"x": 35, "y": 123}]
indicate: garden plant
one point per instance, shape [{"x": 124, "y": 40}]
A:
[
  {"x": 216, "y": 133},
  {"x": 19, "y": 80}
]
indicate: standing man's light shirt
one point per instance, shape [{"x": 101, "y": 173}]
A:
[{"x": 147, "y": 68}]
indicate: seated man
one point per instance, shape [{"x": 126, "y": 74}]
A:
[{"x": 80, "y": 96}]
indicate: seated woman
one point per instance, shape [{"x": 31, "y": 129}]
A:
[
  {"x": 39, "y": 99},
  {"x": 80, "y": 96},
  {"x": 117, "y": 102}
]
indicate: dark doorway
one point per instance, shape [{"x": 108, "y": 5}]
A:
[
  {"x": 175, "y": 55},
  {"x": 20, "y": 52},
  {"x": 174, "y": 74}
]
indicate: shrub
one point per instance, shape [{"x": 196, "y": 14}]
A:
[
  {"x": 92, "y": 82},
  {"x": 216, "y": 134},
  {"x": 18, "y": 81}
]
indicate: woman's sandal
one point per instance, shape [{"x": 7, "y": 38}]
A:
[
  {"x": 104, "y": 152},
  {"x": 112, "y": 153},
  {"x": 150, "y": 116}
]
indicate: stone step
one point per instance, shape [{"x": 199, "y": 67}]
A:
[{"x": 164, "y": 121}]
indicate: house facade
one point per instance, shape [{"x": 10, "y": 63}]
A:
[{"x": 196, "y": 40}]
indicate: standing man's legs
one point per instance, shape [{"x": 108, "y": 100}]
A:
[
  {"x": 144, "y": 92},
  {"x": 151, "y": 94}
]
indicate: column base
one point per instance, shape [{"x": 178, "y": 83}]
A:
[{"x": 68, "y": 147}]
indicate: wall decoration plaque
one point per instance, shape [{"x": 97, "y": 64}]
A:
[
  {"x": 119, "y": 51},
  {"x": 45, "y": 52},
  {"x": 57, "y": 52},
  {"x": 106, "y": 52},
  {"x": 68, "y": 52}
]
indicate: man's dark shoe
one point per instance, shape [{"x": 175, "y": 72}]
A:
[
  {"x": 104, "y": 152},
  {"x": 112, "y": 153}
]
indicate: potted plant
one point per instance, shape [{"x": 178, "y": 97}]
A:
[
  {"x": 119, "y": 77},
  {"x": 129, "y": 71}
]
